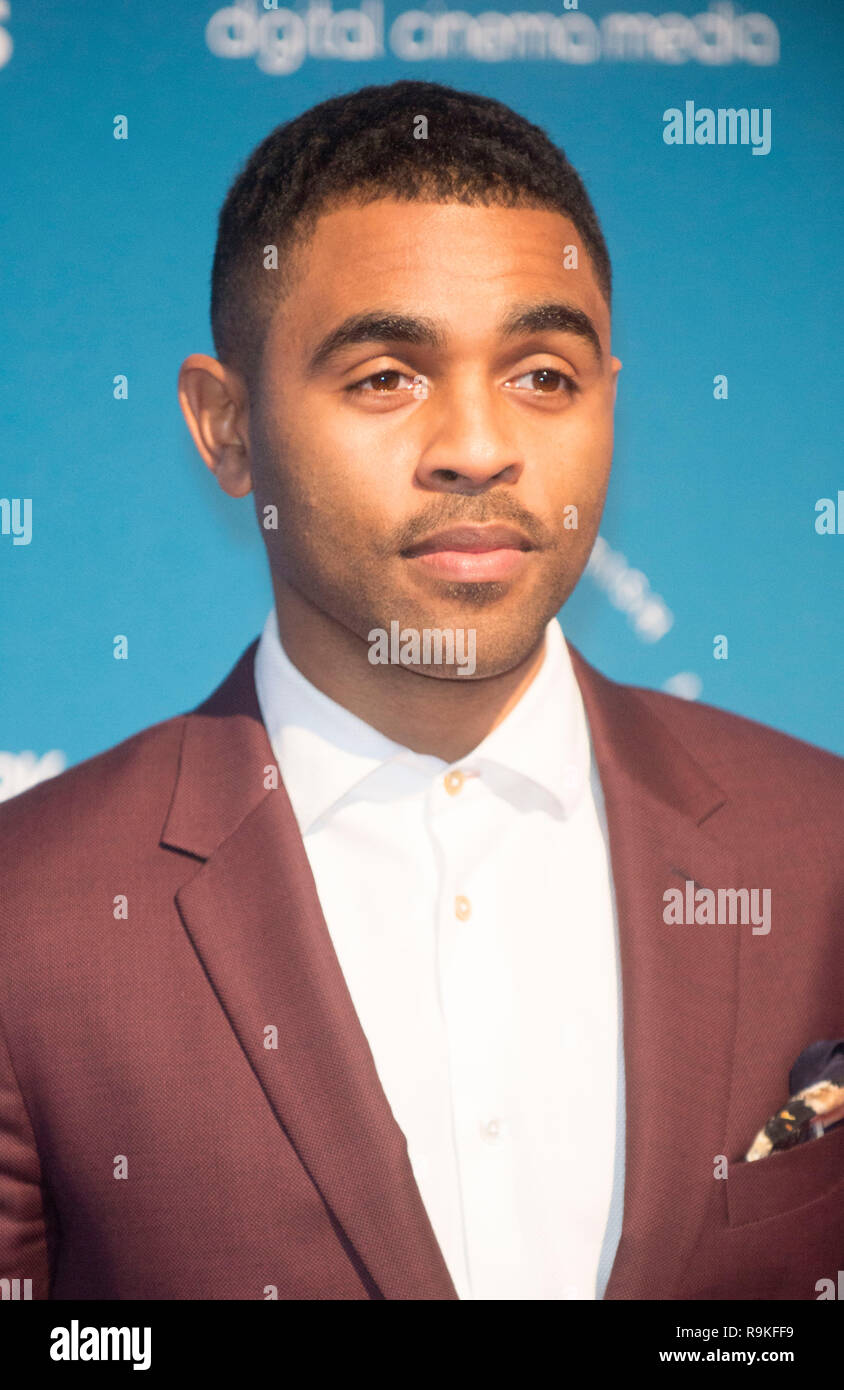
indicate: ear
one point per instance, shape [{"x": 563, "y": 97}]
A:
[{"x": 215, "y": 404}]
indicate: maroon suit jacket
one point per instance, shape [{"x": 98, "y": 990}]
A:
[{"x": 251, "y": 1169}]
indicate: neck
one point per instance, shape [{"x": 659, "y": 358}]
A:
[{"x": 428, "y": 714}]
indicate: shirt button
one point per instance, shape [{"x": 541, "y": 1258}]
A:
[
  {"x": 454, "y": 782},
  {"x": 462, "y": 908},
  {"x": 491, "y": 1130}
]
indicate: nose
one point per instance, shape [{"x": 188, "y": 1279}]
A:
[{"x": 469, "y": 444}]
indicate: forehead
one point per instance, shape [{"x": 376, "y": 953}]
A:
[{"x": 444, "y": 259}]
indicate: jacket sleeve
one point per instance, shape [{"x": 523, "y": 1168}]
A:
[{"x": 23, "y": 1234}]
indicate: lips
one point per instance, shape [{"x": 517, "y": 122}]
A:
[
  {"x": 472, "y": 554},
  {"x": 473, "y": 540}
]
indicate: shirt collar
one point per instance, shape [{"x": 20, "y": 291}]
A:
[
  {"x": 545, "y": 737},
  {"x": 324, "y": 751}
]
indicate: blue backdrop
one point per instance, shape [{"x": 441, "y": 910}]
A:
[{"x": 726, "y": 264}]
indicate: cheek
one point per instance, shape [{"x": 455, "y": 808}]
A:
[
  {"x": 327, "y": 507},
  {"x": 592, "y": 424},
  {"x": 576, "y": 467},
  {"x": 355, "y": 472},
  {"x": 588, "y": 448}
]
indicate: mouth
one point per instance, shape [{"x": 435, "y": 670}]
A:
[{"x": 472, "y": 553}]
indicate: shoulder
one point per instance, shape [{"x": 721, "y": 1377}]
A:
[
  {"x": 118, "y": 799},
  {"x": 114, "y": 799},
  {"x": 744, "y": 754}
]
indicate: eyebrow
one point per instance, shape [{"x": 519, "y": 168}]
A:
[
  {"x": 386, "y": 326},
  {"x": 558, "y": 317}
]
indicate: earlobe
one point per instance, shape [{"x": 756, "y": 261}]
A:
[{"x": 232, "y": 470}]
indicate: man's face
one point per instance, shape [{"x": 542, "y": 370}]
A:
[{"x": 396, "y": 455}]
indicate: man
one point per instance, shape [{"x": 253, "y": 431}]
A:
[{"x": 371, "y": 978}]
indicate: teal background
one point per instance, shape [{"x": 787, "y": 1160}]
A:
[{"x": 723, "y": 262}]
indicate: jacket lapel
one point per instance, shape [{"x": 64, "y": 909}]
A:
[
  {"x": 254, "y": 918},
  {"x": 679, "y": 983}
]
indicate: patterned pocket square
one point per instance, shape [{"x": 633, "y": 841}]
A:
[{"x": 816, "y": 1083}]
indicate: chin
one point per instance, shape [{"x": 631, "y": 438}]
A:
[
  {"x": 473, "y": 595},
  {"x": 499, "y": 650}
]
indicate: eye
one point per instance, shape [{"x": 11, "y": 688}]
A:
[
  {"x": 547, "y": 382},
  {"x": 386, "y": 382}
]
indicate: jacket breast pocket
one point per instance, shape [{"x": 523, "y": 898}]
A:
[{"x": 784, "y": 1182}]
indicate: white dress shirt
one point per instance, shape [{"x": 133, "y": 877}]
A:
[{"x": 471, "y": 909}]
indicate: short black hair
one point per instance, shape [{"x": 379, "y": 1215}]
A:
[{"x": 359, "y": 147}]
